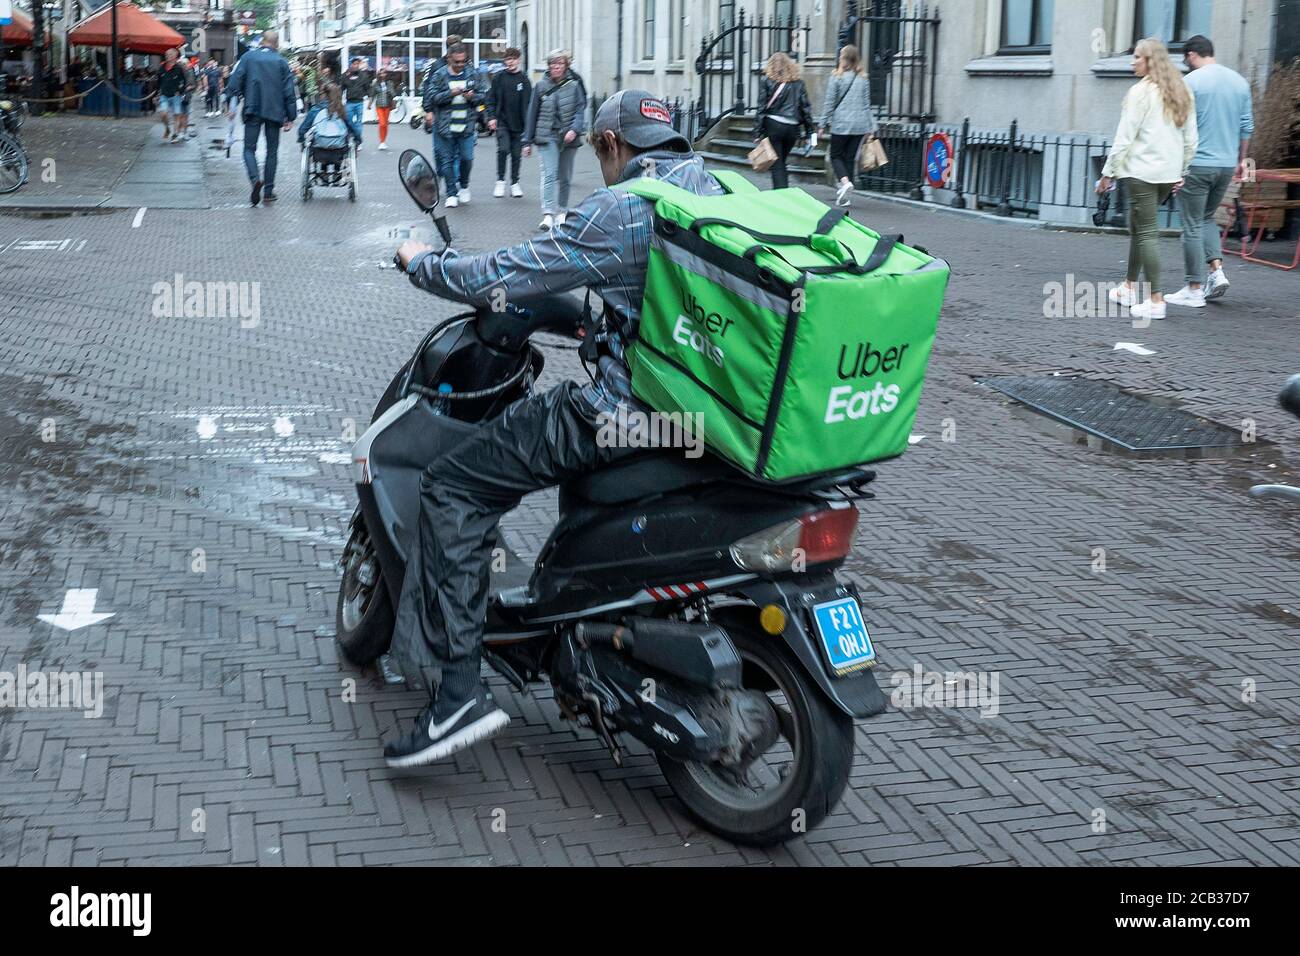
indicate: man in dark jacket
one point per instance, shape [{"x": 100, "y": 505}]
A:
[
  {"x": 264, "y": 81},
  {"x": 356, "y": 87},
  {"x": 455, "y": 92},
  {"x": 174, "y": 83},
  {"x": 540, "y": 441},
  {"x": 508, "y": 102}
]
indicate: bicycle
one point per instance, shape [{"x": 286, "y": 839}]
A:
[{"x": 13, "y": 158}]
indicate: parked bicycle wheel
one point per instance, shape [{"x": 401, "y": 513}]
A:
[{"x": 13, "y": 164}]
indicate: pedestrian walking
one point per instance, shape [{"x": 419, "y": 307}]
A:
[
  {"x": 847, "y": 112},
  {"x": 174, "y": 83},
  {"x": 212, "y": 88},
  {"x": 356, "y": 87},
  {"x": 1153, "y": 147},
  {"x": 557, "y": 120},
  {"x": 454, "y": 92},
  {"x": 383, "y": 94},
  {"x": 263, "y": 80},
  {"x": 786, "y": 114},
  {"x": 508, "y": 99},
  {"x": 1224, "y": 124}
]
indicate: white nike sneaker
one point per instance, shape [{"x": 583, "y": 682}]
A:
[
  {"x": 464, "y": 195},
  {"x": 560, "y": 218},
  {"x": 452, "y": 202},
  {"x": 1216, "y": 284},
  {"x": 1122, "y": 295},
  {"x": 842, "y": 193},
  {"x": 516, "y": 190},
  {"x": 547, "y": 223},
  {"x": 499, "y": 189},
  {"x": 1188, "y": 297},
  {"x": 382, "y": 146},
  {"x": 1147, "y": 310}
]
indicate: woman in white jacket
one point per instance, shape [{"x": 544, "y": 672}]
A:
[{"x": 1154, "y": 145}]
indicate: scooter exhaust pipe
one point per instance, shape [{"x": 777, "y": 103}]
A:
[{"x": 699, "y": 653}]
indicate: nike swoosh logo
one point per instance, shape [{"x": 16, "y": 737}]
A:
[{"x": 436, "y": 730}]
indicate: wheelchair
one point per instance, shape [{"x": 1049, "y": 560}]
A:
[{"x": 329, "y": 166}]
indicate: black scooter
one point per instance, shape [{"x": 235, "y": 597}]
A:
[{"x": 676, "y": 600}]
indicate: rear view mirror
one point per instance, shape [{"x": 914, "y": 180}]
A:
[{"x": 419, "y": 178}]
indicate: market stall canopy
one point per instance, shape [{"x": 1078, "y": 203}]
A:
[
  {"x": 17, "y": 33},
  {"x": 137, "y": 31}
]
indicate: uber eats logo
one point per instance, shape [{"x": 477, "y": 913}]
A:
[
  {"x": 864, "y": 361},
  {"x": 692, "y": 325}
]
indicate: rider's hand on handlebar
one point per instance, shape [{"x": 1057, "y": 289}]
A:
[{"x": 409, "y": 250}]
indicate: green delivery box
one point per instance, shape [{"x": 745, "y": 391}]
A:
[{"x": 800, "y": 335}]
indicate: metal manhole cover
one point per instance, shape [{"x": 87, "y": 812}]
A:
[{"x": 1129, "y": 421}]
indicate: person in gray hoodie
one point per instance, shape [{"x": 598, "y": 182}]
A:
[
  {"x": 847, "y": 111},
  {"x": 557, "y": 120}
]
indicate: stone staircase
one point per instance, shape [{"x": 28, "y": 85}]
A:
[{"x": 730, "y": 141}]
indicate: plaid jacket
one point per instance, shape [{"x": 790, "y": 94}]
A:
[{"x": 603, "y": 246}]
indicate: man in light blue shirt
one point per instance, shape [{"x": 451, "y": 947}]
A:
[{"x": 1224, "y": 123}]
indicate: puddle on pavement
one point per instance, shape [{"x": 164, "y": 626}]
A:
[{"x": 56, "y": 213}]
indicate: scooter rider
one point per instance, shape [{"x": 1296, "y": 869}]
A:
[{"x": 540, "y": 441}]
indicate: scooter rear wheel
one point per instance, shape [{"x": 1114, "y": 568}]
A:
[
  {"x": 363, "y": 617},
  {"x": 813, "y": 756}
]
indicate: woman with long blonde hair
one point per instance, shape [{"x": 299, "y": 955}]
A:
[
  {"x": 784, "y": 113},
  {"x": 847, "y": 111},
  {"x": 1154, "y": 144}
]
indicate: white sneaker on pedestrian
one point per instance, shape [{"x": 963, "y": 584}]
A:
[
  {"x": 464, "y": 195},
  {"x": 452, "y": 202},
  {"x": 841, "y": 194},
  {"x": 516, "y": 190},
  {"x": 560, "y": 218},
  {"x": 499, "y": 189},
  {"x": 1188, "y": 297},
  {"x": 1216, "y": 284},
  {"x": 382, "y": 147},
  {"x": 547, "y": 223},
  {"x": 1147, "y": 310},
  {"x": 1122, "y": 295}
]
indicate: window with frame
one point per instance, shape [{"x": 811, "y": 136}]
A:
[
  {"x": 1171, "y": 20},
  {"x": 647, "y": 29},
  {"x": 726, "y": 20},
  {"x": 676, "y": 18},
  {"x": 784, "y": 12},
  {"x": 1026, "y": 26}
]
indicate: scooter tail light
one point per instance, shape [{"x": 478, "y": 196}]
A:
[{"x": 811, "y": 539}]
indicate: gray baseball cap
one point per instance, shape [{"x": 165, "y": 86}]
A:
[{"x": 640, "y": 119}]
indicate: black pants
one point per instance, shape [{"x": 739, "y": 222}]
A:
[
  {"x": 844, "y": 154},
  {"x": 539, "y": 441},
  {"x": 211, "y": 101},
  {"x": 508, "y": 144},
  {"x": 783, "y": 137}
]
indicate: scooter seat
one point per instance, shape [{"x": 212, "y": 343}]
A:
[{"x": 645, "y": 475}]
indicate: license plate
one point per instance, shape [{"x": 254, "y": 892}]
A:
[{"x": 844, "y": 635}]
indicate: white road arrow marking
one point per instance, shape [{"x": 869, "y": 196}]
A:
[
  {"x": 78, "y": 610},
  {"x": 1137, "y": 348}
]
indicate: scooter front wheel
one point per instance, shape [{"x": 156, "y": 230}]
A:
[
  {"x": 788, "y": 789},
  {"x": 363, "y": 618}
]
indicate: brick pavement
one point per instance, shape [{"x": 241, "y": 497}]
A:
[{"x": 1121, "y": 691}]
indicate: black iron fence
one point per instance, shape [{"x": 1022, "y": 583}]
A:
[
  {"x": 899, "y": 44},
  {"x": 1005, "y": 171},
  {"x": 729, "y": 68}
]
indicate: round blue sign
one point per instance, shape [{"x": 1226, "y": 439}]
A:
[{"x": 938, "y": 159}]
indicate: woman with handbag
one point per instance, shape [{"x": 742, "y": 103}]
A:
[
  {"x": 1153, "y": 147},
  {"x": 847, "y": 111},
  {"x": 785, "y": 116},
  {"x": 557, "y": 120}
]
